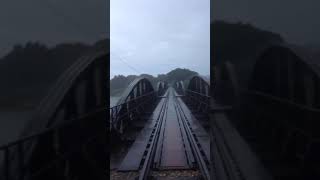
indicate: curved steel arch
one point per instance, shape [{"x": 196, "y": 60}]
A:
[
  {"x": 199, "y": 85},
  {"x": 133, "y": 102},
  {"x": 197, "y": 95},
  {"x": 226, "y": 89},
  {"x": 161, "y": 87},
  {"x": 284, "y": 93},
  {"x": 84, "y": 71},
  {"x": 75, "y": 105},
  {"x": 179, "y": 86},
  {"x": 138, "y": 87},
  {"x": 288, "y": 72}
]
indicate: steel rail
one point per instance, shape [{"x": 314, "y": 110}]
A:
[
  {"x": 202, "y": 162},
  {"x": 158, "y": 153},
  {"x": 148, "y": 161},
  {"x": 188, "y": 150}
]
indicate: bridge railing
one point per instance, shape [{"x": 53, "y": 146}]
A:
[
  {"x": 129, "y": 109},
  {"x": 282, "y": 101},
  {"x": 64, "y": 138},
  {"x": 162, "y": 87},
  {"x": 16, "y": 158},
  {"x": 179, "y": 87},
  {"x": 294, "y": 122},
  {"x": 197, "y": 94},
  {"x": 198, "y": 100},
  {"x": 280, "y": 108}
]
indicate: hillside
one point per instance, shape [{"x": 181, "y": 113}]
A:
[
  {"x": 119, "y": 83},
  {"x": 29, "y": 70}
]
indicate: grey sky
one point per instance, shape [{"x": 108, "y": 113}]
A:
[
  {"x": 296, "y": 20},
  {"x": 157, "y": 36},
  {"x": 52, "y": 21}
]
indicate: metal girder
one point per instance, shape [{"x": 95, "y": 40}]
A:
[
  {"x": 138, "y": 96},
  {"x": 162, "y": 86},
  {"x": 179, "y": 87},
  {"x": 197, "y": 95},
  {"x": 283, "y": 102},
  {"x": 74, "y": 106}
]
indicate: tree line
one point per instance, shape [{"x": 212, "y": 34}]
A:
[
  {"x": 120, "y": 82},
  {"x": 29, "y": 70}
]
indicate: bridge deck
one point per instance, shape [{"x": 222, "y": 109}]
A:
[
  {"x": 132, "y": 160},
  {"x": 173, "y": 151},
  {"x": 200, "y": 132}
]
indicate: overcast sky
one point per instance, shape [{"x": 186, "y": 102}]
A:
[
  {"x": 296, "y": 20},
  {"x": 52, "y": 21},
  {"x": 157, "y": 36}
]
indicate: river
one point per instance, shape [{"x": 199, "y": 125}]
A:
[{"x": 113, "y": 100}]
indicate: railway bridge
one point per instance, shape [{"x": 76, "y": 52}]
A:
[
  {"x": 265, "y": 129},
  {"x": 172, "y": 128},
  {"x": 196, "y": 129},
  {"x": 65, "y": 136}
]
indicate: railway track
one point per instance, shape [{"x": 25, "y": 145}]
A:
[
  {"x": 173, "y": 150},
  {"x": 153, "y": 140},
  {"x": 201, "y": 161}
]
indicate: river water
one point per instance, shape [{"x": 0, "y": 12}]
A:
[{"x": 113, "y": 100}]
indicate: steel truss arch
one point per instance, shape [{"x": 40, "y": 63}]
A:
[
  {"x": 284, "y": 93},
  {"x": 162, "y": 86},
  {"x": 133, "y": 102},
  {"x": 75, "y": 105},
  {"x": 197, "y": 94},
  {"x": 179, "y": 87}
]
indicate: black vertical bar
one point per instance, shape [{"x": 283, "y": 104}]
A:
[
  {"x": 6, "y": 162},
  {"x": 21, "y": 160},
  {"x": 56, "y": 145}
]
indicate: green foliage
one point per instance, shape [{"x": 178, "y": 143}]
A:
[
  {"x": 179, "y": 75},
  {"x": 119, "y": 83},
  {"x": 29, "y": 70}
]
